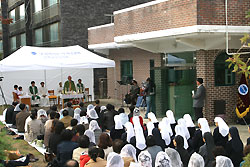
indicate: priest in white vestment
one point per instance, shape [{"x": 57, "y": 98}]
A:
[{"x": 43, "y": 92}]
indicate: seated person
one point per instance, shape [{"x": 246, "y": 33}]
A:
[
  {"x": 72, "y": 163},
  {"x": 80, "y": 87},
  {"x": 69, "y": 85},
  {"x": 66, "y": 118},
  {"x": 73, "y": 124},
  {"x": 20, "y": 91},
  {"x": 9, "y": 112},
  {"x": 21, "y": 118},
  {"x": 33, "y": 91},
  {"x": 83, "y": 148},
  {"x": 15, "y": 93},
  {"x": 70, "y": 109},
  {"x": 43, "y": 92}
]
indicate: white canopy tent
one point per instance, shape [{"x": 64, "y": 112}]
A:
[{"x": 49, "y": 64}]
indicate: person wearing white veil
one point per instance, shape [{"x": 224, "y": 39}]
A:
[
  {"x": 203, "y": 125},
  {"x": 167, "y": 125},
  {"x": 171, "y": 118},
  {"x": 91, "y": 136},
  {"x": 93, "y": 115},
  {"x": 117, "y": 131},
  {"x": 77, "y": 116},
  {"x": 152, "y": 118},
  {"x": 222, "y": 161},
  {"x": 179, "y": 131},
  {"x": 114, "y": 160},
  {"x": 220, "y": 133},
  {"x": 162, "y": 160},
  {"x": 123, "y": 118},
  {"x": 165, "y": 133},
  {"x": 174, "y": 156},
  {"x": 190, "y": 124},
  {"x": 93, "y": 126},
  {"x": 90, "y": 107},
  {"x": 129, "y": 132},
  {"x": 128, "y": 154},
  {"x": 182, "y": 122},
  {"x": 150, "y": 127},
  {"x": 196, "y": 160},
  {"x": 42, "y": 115},
  {"x": 140, "y": 139},
  {"x": 144, "y": 159}
]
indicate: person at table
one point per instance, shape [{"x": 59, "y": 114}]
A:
[
  {"x": 15, "y": 93},
  {"x": 80, "y": 87},
  {"x": 59, "y": 89},
  {"x": 43, "y": 92},
  {"x": 69, "y": 85},
  {"x": 33, "y": 91},
  {"x": 20, "y": 91}
]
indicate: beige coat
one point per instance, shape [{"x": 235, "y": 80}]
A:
[
  {"x": 47, "y": 127},
  {"x": 78, "y": 152},
  {"x": 34, "y": 129},
  {"x": 127, "y": 161},
  {"x": 99, "y": 163},
  {"x": 66, "y": 121}
]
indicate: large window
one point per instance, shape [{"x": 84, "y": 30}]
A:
[
  {"x": 22, "y": 11},
  {"x": 13, "y": 43},
  {"x": 23, "y": 39},
  {"x": 223, "y": 75},
  {"x": 12, "y": 15},
  {"x": 126, "y": 71},
  {"x": 38, "y": 5},
  {"x": 38, "y": 36},
  {"x": 52, "y": 2},
  {"x": 54, "y": 33}
]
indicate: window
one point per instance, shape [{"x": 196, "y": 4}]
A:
[
  {"x": 223, "y": 75},
  {"x": 38, "y": 5},
  {"x": 22, "y": 11},
  {"x": 38, "y": 36},
  {"x": 12, "y": 15},
  {"x": 52, "y": 2},
  {"x": 23, "y": 39},
  {"x": 1, "y": 46},
  {"x": 13, "y": 43},
  {"x": 126, "y": 71},
  {"x": 54, "y": 32}
]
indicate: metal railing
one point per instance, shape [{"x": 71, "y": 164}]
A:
[
  {"x": 19, "y": 24},
  {"x": 46, "y": 13}
]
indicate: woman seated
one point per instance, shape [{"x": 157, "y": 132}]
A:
[
  {"x": 83, "y": 148},
  {"x": 179, "y": 144},
  {"x": 221, "y": 131},
  {"x": 128, "y": 154},
  {"x": 95, "y": 160},
  {"x": 105, "y": 143}
]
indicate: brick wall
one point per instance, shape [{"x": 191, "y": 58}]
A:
[
  {"x": 141, "y": 67},
  {"x": 205, "y": 70},
  {"x": 101, "y": 35}
]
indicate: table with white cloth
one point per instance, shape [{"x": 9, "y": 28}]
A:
[
  {"x": 26, "y": 99},
  {"x": 69, "y": 97}
]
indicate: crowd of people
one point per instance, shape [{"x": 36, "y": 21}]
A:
[{"x": 99, "y": 136}]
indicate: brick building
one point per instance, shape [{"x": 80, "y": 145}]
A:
[{"x": 173, "y": 42}]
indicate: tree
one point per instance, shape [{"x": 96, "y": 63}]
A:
[{"x": 240, "y": 66}]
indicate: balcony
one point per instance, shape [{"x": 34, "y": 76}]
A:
[
  {"x": 19, "y": 24},
  {"x": 46, "y": 13}
]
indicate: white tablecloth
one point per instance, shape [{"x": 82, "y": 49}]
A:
[{"x": 72, "y": 96}]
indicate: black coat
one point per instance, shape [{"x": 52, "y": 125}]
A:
[
  {"x": 219, "y": 140},
  {"x": 108, "y": 119},
  {"x": 191, "y": 131},
  {"x": 197, "y": 140},
  {"x": 65, "y": 151},
  {"x": 9, "y": 114},
  {"x": 54, "y": 140},
  {"x": 236, "y": 157},
  {"x": 182, "y": 151},
  {"x": 116, "y": 133}
]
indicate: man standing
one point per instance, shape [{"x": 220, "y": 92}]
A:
[
  {"x": 134, "y": 91},
  {"x": 199, "y": 99},
  {"x": 44, "y": 102},
  {"x": 69, "y": 85},
  {"x": 148, "y": 92},
  {"x": 80, "y": 86},
  {"x": 33, "y": 91}
]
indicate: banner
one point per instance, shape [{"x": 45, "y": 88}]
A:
[{"x": 243, "y": 104}]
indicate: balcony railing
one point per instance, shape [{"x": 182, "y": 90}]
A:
[
  {"x": 46, "y": 13},
  {"x": 19, "y": 24}
]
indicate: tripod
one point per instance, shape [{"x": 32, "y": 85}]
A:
[{"x": 2, "y": 94}]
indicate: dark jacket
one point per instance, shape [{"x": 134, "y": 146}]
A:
[
  {"x": 116, "y": 133},
  {"x": 219, "y": 140},
  {"x": 20, "y": 120},
  {"x": 65, "y": 151},
  {"x": 108, "y": 119},
  {"x": 54, "y": 140},
  {"x": 197, "y": 140},
  {"x": 199, "y": 97},
  {"x": 9, "y": 114},
  {"x": 182, "y": 151},
  {"x": 153, "y": 151}
]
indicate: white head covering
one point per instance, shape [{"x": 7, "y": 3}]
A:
[
  {"x": 130, "y": 131},
  {"x": 40, "y": 113},
  {"x": 162, "y": 160},
  {"x": 84, "y": 120},
  {"x": 222, "y": 161},
  {"x": 170, "y": 116},
  {"x": 123, "y": 118},
  {"x": 91, "y": 135},
  {"x": 118, "y": 122},
  {"x": 150, "y": 127},
  {"x": 152, "y": 117},
  {"x": 182, "y": 122},
  {"x": 93, "y": 114},
  {"x": 129, "y": 151},
  {"x": 144, "y": 159},
  {"x": 140, "y": 139},
  {"x": 189, "y": 121},
  {"x": 17, "y": 108},
  {"x": 196, "y": 160},
  {"x": 164, "y": 133},
  {"x": 93, "y": 125},
  {"x": 179, "y": 131},
  {"x": 223, "y": 127},
  {"x": 167, "y": 125},
  {"x": 77, "y": 115},
  {"x": 89, "y": 107},
  {"x": 103, "y": 108},
  {"x": 204, "y": 125},
  {"x": 174, "y": 156},
  {"x": 114, "y": 160}
]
